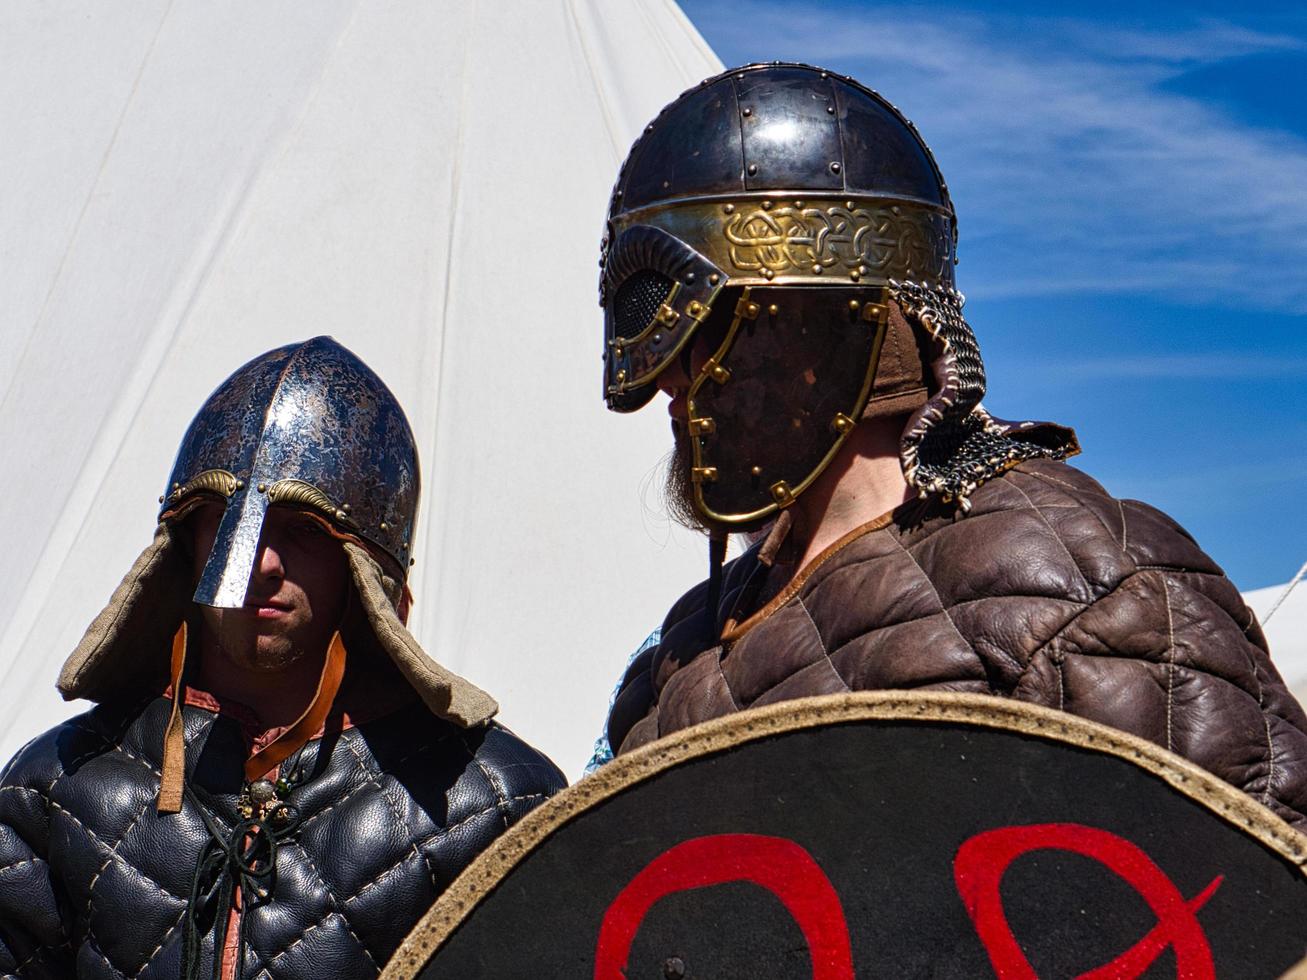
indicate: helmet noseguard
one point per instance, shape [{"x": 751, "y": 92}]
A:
[
  {"x": 307, "y": 425},
  {"x": 778, "y": 204}
]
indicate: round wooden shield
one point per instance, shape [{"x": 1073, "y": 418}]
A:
[{"x": 881, "y": 834}]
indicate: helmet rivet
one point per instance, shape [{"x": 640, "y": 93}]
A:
[
  {"x": 747, "y": 112},
  {"x": 657, "y": 338},
  {"x": 854, "y": 305},
  {"x": 862, "y": 270},
  {"x": 816, "y": 268},
  {"x": 729, "y": 209},
  {"x": 385, "y": 526},
  {"x": 263, "y": 488},
  {"x": 689, "y": 277},
  {"x": 341, "y": 515},
  {"x": 798, "y": 204},
  {"x": 756, "y": 471},
  {"x": 412, "y": 562},
  {"x": 713, "y": 279},
  {"x": 345, "y": 508},
  {"x": 773, "y": 309},
  {"x": 753, "y": 169},
  {"x": 768, "y": 274},
  {"x": 240, "y": 484},
  {"x": 834, "y": 167},
  {"x": 176, "y": 486},
  {"x": 161, "y": 499},
  {"x": 766, "y": 205},
  {"x": 850, "y": 205},
  {"x": 830, "y": 109}
]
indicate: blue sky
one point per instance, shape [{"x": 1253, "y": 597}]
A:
[{"x": 1131, "y": 187}]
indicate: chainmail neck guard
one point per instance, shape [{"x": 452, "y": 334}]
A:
[{"x": 951, "y": 445}]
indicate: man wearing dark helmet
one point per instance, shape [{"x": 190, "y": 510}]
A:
[
  {"x": 277, "y": 780},
  {"x": 779, "y": 260}
]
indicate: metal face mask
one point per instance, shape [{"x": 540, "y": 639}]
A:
[
  {"x": 308, "y": 425},
  {"x": 812, "y": 193},
  {"x": 778, "y": 397}
]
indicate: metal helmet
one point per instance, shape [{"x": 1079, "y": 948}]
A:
[
  {"x": 771, "y": 208},
  {"x": 795, "y": 219},
  {"x": 307, "y": 425}
]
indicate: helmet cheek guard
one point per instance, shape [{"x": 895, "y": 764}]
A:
[
  {"x": 774, "y": 403},
  {"x": 656, "y": 292}
]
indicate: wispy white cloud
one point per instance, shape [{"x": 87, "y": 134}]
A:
[
  {"x": 1213, "y": 365},
  {"x": 1071, "y": 166}
]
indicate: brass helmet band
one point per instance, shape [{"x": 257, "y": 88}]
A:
[
  {"x": 667, "y": 264},
  {"x": 795, "y": 239}
]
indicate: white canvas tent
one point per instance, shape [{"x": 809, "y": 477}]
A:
[
  {"x": 1283, "y": 613},
  {"x": 187, "y": 184}
]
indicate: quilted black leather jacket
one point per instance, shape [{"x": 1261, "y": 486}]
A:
[{"x": 95, "y": 883}]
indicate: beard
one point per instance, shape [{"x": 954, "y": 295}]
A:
[{"x": 678, "y": 488}]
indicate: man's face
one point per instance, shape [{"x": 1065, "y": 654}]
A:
[{"x": 296, "y": 595}]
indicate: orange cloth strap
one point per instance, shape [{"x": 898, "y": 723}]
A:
[
  {"x": 172, "y": 775},
  {"x": 309, "y": 723}
]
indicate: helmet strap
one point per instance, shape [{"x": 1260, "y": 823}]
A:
[
  {"x": 172, "y": 774},
  {"x": 716, "y": 559}
]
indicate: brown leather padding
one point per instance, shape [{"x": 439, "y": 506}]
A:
[
  {"x": 902, "y": 375},
  {"x": 1051, "y": 592}
]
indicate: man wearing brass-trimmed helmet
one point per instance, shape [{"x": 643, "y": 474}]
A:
[
  {"x": 277, "y": 779},
  {"x": 779, "y": 261}
]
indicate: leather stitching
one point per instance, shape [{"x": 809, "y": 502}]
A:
[
  {"x": 364, "y": 785},
  {"x": 1170, "y": 661},
  {"x": 35, "y": 954},
  {"x": 935, "y": 591},
  {"x": 34, "y": 859},
  {"x": 735, "y": 703},
  {"x": 335, "y": 907},
  {"x": 375, "y": 882},
  {"x": 500, "y": 794},
  {"x": 1056, "y": 537},
  {"x": 162, "y": 942},
  {"x": 822, "y": 643}
]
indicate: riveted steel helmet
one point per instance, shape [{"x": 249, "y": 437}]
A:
[
  {"x": 792, "y": 218},
  {"x": 306, "y": 425},
  {"x": 770, "y": 208}
]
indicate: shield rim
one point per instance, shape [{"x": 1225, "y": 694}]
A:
[{"x": 494, "y": 864}]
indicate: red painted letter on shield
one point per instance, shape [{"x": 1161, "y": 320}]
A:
[
  {"x": 781, "y": 866},
  {"x": 978, "y": 871}
]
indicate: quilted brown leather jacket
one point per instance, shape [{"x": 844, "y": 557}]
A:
[{"x": 1050, "y": 591}]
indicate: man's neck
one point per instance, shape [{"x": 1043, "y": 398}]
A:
[
  {"x": 277, "y": 697},
  {"x": 864, "y": 481}
]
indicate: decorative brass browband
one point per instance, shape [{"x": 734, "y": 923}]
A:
[
  {"x": 294, "y": 493},
  {"x": 211, "y": 481},
  {"x": 785, "y": 240},
  {"x": 297, "y": 493}
]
